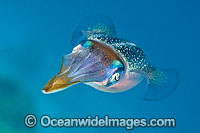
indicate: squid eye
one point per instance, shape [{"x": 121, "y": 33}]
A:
[{"x": 115, "y": 77}]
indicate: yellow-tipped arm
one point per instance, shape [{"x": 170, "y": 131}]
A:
[{"x": 58, "y": 83}]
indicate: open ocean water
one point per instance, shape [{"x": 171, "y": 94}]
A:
[{"x": 35, "y": 34}]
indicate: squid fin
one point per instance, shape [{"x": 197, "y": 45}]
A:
[
  {"x": 95, "y": 24},
  {"x": 161, "y": 83}
]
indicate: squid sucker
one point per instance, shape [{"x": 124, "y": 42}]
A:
[{"x": 108, "y": 63}]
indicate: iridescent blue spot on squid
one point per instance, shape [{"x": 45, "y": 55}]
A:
[
  {"x": 87, "y": 44},
  {"x": 116, "y": 64}
]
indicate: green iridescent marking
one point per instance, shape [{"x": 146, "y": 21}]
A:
[
  {"x": 87, "y": 44},
  {"x": 116, "y": 64}
]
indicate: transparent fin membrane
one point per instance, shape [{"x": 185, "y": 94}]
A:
[
  {"x": 95, "y": 24},
  {"x": 161, "y": 84}
]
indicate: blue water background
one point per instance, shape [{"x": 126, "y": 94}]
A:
[{"x": 35, "y": 34}]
